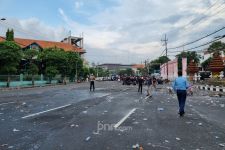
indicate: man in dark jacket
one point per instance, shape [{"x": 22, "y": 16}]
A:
[{"x": 140, "y": 84}]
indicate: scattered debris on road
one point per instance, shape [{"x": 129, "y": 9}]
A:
[
  {"x": 222, "y": 145},
  {"x": 88, "y": 138},
  {"x": 15, "y": 130},
  {"x": 160, "y": 109}
]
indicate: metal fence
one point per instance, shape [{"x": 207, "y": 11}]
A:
[{"x": 26, "y": 80}]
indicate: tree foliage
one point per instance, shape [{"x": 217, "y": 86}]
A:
[
  {"x": 10, "y": 57},
  {"x": 66, "y": 63},
  {"x": 10, "y": 35},
  {"x": 128, "y": 72},
  {"x": 51, "y": 72},
  {"x": 190, "y": 56},
  {"x": 205, "y": 64},
  {"x": 216, "y": 47},
  {"x": 155, "y": 64}
]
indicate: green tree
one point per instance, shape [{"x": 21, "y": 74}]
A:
[
  {"x": 190, "y": 56},
  {"x": 92, "y": 70},
  {"x": 31, "y": 56},
  {"x": 67, "y": 63},
  {"x": 205, "y": 64},
  {"x": 155, "y": 64},
  {"x": 33, "y": 69},
  {"x": 128, "y": 72},
  {"x": 10, "y": 57},
  {"x": 216, "y": 47},
  {"x": 75, "y": 65},
  {"x": 10, "y": 35},
  {"x": 51, "y": 72},
  {"x": 55, "y": 57}
]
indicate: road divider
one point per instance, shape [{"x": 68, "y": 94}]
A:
[{"x": 39, "y": 113}]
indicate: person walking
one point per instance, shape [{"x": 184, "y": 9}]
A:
[
  {"x": 154, "y": 82},
  {"x": 92, "y": 82},
  {"x": 180, "y": 86},
  {"x": 149, "y": 84},
  {"x": 140, "y": 84}
]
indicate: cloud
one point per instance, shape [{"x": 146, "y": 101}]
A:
[
  {"x": 130, "y": 31},
  {"x": 33, "y": 28},
  {"x": 78, "y": 4},
  {"x": 137, "y": 27}
]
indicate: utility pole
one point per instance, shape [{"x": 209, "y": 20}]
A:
[
  {"x": 76, "y": 72},
  {"x": 165, "y": 44}
]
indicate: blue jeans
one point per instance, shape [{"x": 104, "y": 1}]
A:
[{"x": 181, "y": 95}]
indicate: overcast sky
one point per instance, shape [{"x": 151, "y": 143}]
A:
[{"x": 116, "y": 31}]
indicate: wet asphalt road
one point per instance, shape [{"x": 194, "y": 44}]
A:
[{"x": 114, "y": 117}]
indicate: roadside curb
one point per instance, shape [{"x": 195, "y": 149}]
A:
[
  {"x": 211, "y": 88},
  {"x": 32, "y": 87}
]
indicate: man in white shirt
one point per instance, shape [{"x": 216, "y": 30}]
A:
[{"x": 92, "y": 82}]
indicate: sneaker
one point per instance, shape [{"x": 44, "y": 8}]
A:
[{"x": 181, "y": 114}]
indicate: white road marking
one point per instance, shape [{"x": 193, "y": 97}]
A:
[
  {"x": 125, "y": 89},
  {"x": 124, "y": 118},
  {"x": 7, "y": 103},
  {"x": 36, "y": 114},
  {"x": 103, "y": 95}
]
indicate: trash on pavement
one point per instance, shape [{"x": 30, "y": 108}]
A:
[
  {"x": 84, "y": 112},
  {"x": 222, "y": 105},
  {"x": 166, "y": 141},
  {"x": 145, "y": 119},
  {"x": 178, "y": 139},
  {"x": 216, "y": 137},
  {"x": 10, "y": 147},
  {"x": 135, "y": 146},
  {"x": 95, "y": 133},
  {"x": 15, "y": 130},
  {"x": 188, "y": 122},
  {"x": 72, "y": 125},
  {"x": 222, "y": 145},
  {"x": 135, "y": 122},
  {"x": 87, "y": 139},
  {"x": 3, "y": 145},
  {"x": 160, "y": 109},
  {"x": 200, "y": 124}
]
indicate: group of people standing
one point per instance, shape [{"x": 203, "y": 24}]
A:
[
  {"x": 180, "y": 86},
  {"x": 151, "y": 83}
]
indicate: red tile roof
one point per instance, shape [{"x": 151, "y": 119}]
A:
[
  {"x": 138, "y": 66},
  {"x": 46, "y": 44}
]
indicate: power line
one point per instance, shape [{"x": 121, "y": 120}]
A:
[
  {"x": 198, "y": 39},
  {"x": 200, "y": 45},
  {"x": 191, "y": 22},
  {"x": 162, "y": 53},
  {"x": 221, "y": 10}
]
